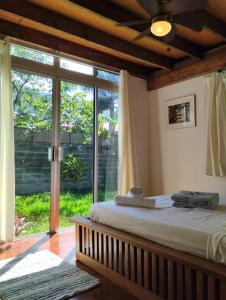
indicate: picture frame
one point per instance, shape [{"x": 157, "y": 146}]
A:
[{"x": 180, "y": 112}]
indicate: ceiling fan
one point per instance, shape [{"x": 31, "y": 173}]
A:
[{"x": 164, "y": 14}]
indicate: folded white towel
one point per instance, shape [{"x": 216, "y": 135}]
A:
[
  {"x": 135, "y": 201},
  {"x": 131, "y": 195},
  {"x": 135, "y": 192}
]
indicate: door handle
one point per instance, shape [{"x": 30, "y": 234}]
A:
[
  {"x": 55, "y": 153},
  {"x": 50, "y": 154},
  {"x": 60, "y": 153}
]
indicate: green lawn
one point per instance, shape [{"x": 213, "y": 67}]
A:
[{"x": 36, "y": 209}]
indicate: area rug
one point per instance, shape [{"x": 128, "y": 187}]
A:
[{"x": 42, "y": 276}]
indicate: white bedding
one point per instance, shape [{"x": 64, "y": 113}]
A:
[{"x": 197, "y": 231}]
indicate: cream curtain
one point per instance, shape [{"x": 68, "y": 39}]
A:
[
  {"x": 7, "y": 189},
  {"x": 215, "y": 100},
  {"x": 126, "y": 169}
]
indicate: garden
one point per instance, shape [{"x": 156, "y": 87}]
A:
[{"x": 33, "y": 210}]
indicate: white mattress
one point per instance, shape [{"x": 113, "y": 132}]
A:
[{"x": 195, "y": 231}]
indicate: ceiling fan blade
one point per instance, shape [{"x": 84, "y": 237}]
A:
[
  {"x": 190, "y": 20},
  {"x": 151, "y": 6},
  {"x": 132, "y": 23},
  {"x": 144, "y": 33},
  {"x": 181, "y": 6}
]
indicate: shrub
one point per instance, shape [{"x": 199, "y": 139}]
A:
[{"x": 73, "y": 168}]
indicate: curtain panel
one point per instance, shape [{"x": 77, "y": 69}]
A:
[
  {"x": 7, "y": 182},
  {"x": 126, "y": 167},
  {"x": 215, "y": 101}
]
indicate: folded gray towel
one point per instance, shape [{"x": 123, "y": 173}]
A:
[
  {"x": 191, "y": 199},
  {"x": 194, "y": 205}
]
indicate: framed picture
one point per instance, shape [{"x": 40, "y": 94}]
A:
[{"x": 180, "y": 112}]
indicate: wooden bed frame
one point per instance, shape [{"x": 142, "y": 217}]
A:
[{"x": 146, "y": 269}]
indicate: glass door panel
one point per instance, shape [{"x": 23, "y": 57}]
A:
[
  {"x": 76, "y": 134},
  {"x": 32, "y": 99},
  {"x": 107, "y": 144}
]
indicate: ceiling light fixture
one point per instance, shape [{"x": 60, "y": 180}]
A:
[{"x": 161, "y": 25}]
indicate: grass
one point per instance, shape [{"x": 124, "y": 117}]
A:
[{"x": 35, "y": 209}]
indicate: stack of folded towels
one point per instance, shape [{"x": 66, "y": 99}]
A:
[
  {"x": 135, "y": 198},
  {"x": 189, "y": 199}
]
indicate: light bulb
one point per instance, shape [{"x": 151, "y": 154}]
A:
[{"x": 161, "y": 28}]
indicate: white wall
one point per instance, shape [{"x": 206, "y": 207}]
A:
[
  {"x": 178, "y": 155},
  {"x": 139, "y": 98}
]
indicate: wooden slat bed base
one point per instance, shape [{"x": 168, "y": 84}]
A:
[{"x": 146, "y": 269}]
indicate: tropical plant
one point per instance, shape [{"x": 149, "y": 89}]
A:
[
  {"x": 32, "y": 95},
  {"x": 20, "y": 225},
  {"x": 73, "y": 168}
]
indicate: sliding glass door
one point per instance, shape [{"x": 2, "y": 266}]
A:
[
  {"x": 107, "y": 144},
  {"x": 32, "y": 99},
  {"x": 66, "y": 138},
  {"x": 76, "y": 134}
]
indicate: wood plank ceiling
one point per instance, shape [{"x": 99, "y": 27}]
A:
[{"x": 87, "y": 29}]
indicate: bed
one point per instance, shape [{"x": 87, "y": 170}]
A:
[{"x": 161, "y": 253}]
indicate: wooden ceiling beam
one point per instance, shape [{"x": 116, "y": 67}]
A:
[
  {"x": 208, "y": 20},
  {"x": 213, "y": 61},
  {"x": 94, "y": 56},
  {"x": 54, "y": 20},
  {"x": 118, "y": 14},
  {"x": 212, "y": 22}
]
